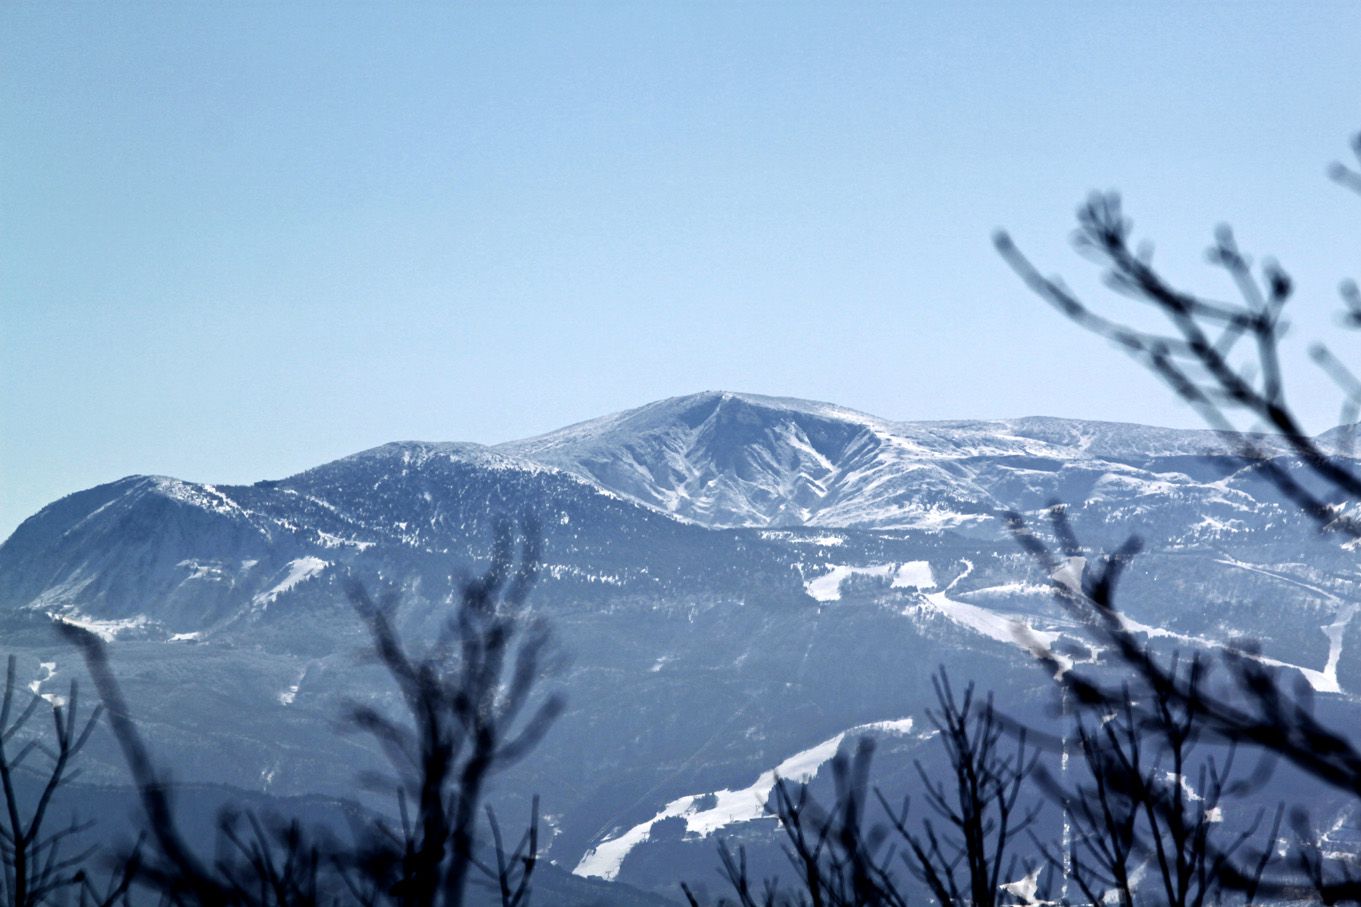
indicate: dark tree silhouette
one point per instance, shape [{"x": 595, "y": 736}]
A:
[
  {"x": 1198, "y": 355},
  {"x": 473, "y": 709},
  {"x": 255, "y": 868},
  {"x": 963, "y": 856},
  {"x": 1148, "y": 801},
  {"x": 1223, "y": 358},
  {"x": 35, "y": 868},
  {"x": 837, "y": 857},
  {"x": 967, "y": 861}
]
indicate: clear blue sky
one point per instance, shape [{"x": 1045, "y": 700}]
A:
[{"x": 239, "y": 240}]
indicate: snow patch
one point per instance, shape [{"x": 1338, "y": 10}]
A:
[
  {"x": 826, "y": 541},
  {"x": 558, "y": 571},
  {"x": 707, "y": 813},
  {"x": 1069, "y": 576},
  {"x": 201, "y": 570},
  {"x": 1321, "y": 681},
  {"x": 331, "y": 540},
  {"x": 46, "y": 671},
  {"x": 910, "y": 575},
  {"x": 914, "y": 575},
  {"x": 1006, "y": 628},
  {"x": 107, "y": 630},
  {"x": 1010, "y": 590},
  {"x": 995, "y": 625},
  {"x": 290, "y": 695},
  {"x": 299, "y": 570},
  {"x": 1026, "y": 888},
  {"x": 206, "y": 497}
]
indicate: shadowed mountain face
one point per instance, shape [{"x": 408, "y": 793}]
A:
[
  {"x": 737, "y": 585},
  {"x": 196, "y": 555}
]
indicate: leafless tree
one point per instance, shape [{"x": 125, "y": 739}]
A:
[
  {"x": 36, "y": 869},
  {"x": 963, "y": 856},
  {"x": 169, "y": 865},
  {"x": 1223, "y": 358},
  {"x": 473, "y": 710},
  {"x": 1147, "y": 802},
  {"x": 838, "y": 857},
  {"x": 1167, "y": 705},
  {"x": 967, "y": 861}
]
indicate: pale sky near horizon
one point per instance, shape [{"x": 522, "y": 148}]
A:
[{"x": 239, "y": 240}]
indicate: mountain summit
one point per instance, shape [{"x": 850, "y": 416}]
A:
[
  {"x": 724, "y": 459},
  {"x": 730, "y": 460}
]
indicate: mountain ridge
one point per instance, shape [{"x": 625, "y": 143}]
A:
[
  {"x": 727, "y": 459},
  {"x": 663, "y": 477},
  {"x": 191, "y": 555},
  {"x": 710, "y": 564}
]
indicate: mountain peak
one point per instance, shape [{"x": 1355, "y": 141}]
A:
[
  {"x": 731, "y": 459},
  {"x": 688, "y": 410},
  {"x": 739, "y": 399},
  {"x": 722, "y": 458}
]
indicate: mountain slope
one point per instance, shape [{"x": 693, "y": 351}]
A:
[
  {"x": 187, "y": 557},
  {"x": 723, "y": 459},
  {"x": 735, "y": 584}
]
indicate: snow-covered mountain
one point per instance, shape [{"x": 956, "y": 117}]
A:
[
  {"x": 725, "y": 459},
  {"x": 192, "y": 555},
  {"x": 737, "y": 585}
]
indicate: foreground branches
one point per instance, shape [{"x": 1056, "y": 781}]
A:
[
  {"x": 36, "y": 868},
  {"x": 472, "y": 708},
  {"x": 1222, "y": 357},
  {"x": 961, "y": 853}
]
